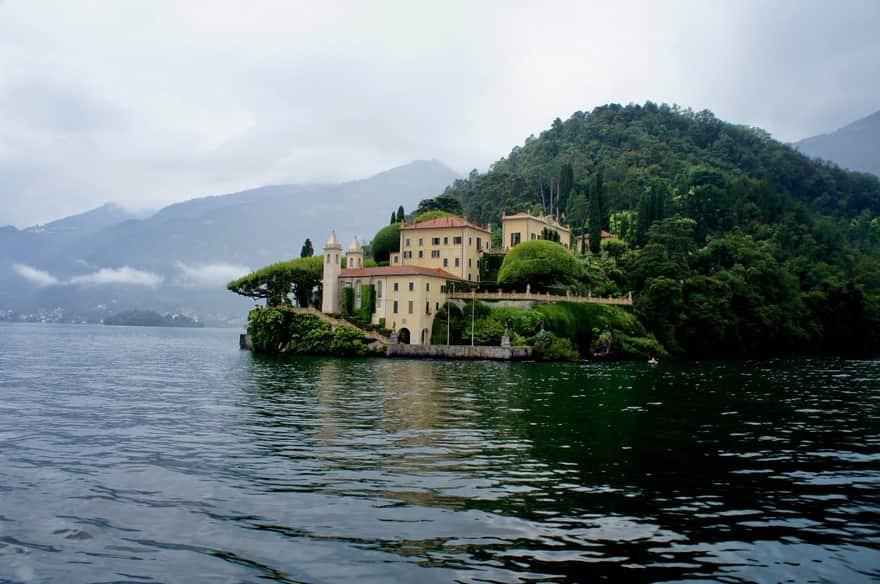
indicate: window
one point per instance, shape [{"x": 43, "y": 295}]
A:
[
  {"x": 379, "y": 289},
  {"x": 427, "y": 286},
  {"x": 435, "y": 253},
  {"x": 456, "y": 262},
  {"x": 396, "y": 284},
  {"x": 534, "y": 236},
  {"x": 395, "y": 307},
  {"x": 435, "y": 241},
  {"x": 407, "y": 242},
  {"x": 479, "y": 243},
  {"x": 328, "y": 258},
  {"x": 445, "y": 241},
  {"x": 427, "y": 308},
  {"x": 407, "y": 254},
  {"x": 421, "y": 254},
  {"x": 410, "y": 306},
  {"x": 436, "y": 306},
  {"x": 396, "y": 258},
  {"x": 456, "y": 240},
  {"x": 421, "y": 241},
  {"x": 470, "y": 263},
  {"x": 470, "y": 241},
  {"x": 412, "y": 286},
  {"x": 445, "y": 262},
  {"x": 515, "y": 238}
]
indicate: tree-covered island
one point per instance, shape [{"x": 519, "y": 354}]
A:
[
  {"x": 728, "y": 242},
  {"x": 151, "y": 318}
]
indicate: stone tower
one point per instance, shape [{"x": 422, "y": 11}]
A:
[
  {"x": 355, "y": 255},
  {"x": 332, "y": 268}
]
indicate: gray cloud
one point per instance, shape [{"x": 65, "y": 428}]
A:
[{"x": 146, "y": 103}]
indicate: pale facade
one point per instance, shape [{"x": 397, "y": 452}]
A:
[
  {"x": 522, "y": 227},
  {"x": 450, "y": 244},
  {"x": 407, "y": 297},
  {"x": 410, "y": 290}
]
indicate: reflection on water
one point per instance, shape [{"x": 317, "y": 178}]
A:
[{"x": 162, "y": 455}]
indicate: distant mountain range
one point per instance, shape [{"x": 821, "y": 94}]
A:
[
  {"x": 178, "y": 260},
  {"x": 856, "y": 146}
]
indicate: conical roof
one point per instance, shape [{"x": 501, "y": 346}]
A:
[
  {"x": 332, "y": 242},
  {"x": 355, "y": 246}
]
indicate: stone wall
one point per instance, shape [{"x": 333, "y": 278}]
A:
[{"x": 459, "y": 352}]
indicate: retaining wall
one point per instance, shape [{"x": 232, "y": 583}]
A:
[{"x": 458, "y": 352}]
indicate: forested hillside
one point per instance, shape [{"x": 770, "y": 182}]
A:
[{"x": 734, "y": 243}]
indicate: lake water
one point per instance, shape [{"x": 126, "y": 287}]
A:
[{"x": 167, "y": 455}]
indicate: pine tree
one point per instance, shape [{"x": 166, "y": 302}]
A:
[
  {"x": 393, "y": 218},
  {"x": 400, "y": 215}
]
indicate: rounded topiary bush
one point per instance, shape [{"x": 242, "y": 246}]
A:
[
  {"x": 539, "y": 263},
  {"x": 385, "y": 242}
]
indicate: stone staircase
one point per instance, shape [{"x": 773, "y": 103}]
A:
[{"x": 334, "y": 322}]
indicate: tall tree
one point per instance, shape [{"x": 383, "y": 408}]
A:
[
  {"x": 400, "y": 214},
  {"x": 393, "y": 218},
  {"x": 565, "y": 184},
  {"x": 596, "y": 204},
  {"x": 307, "y": 249}
]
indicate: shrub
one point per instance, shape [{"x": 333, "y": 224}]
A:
[
  {"x": 549, "y": 347},
  {"x": 348, "y": 342},
  {"x": 429, "y": 215},
  {"x": 539, "y": 263}
]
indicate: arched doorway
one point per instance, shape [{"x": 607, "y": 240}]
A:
[
  {"x": 426, "y": 337},
  {"x": 403, "y": 336}
]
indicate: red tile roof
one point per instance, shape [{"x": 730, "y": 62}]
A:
[
  {"x": 605, "y": 235},
  {"x": 442, "y": 222},
  {"x": 397, "y": 271}
]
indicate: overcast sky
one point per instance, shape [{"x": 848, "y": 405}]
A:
[{"x": 146, "y": 103}]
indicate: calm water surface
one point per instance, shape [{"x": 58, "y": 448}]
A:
[{"x": 162, "y": 455}]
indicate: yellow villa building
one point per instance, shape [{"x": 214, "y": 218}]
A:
[
  {"x": 521, "y": 227},
  {"x": 433, "y": 255}
]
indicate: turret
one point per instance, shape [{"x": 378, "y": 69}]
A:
[
  {"x": 332, "y": 267},
  {"x": 355, "y": 255}
]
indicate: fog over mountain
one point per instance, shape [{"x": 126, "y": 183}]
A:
[
  {"x": 180, "y": 258},
  {"x": 855, "y": 146}
]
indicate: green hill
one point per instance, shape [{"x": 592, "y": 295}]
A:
[{"x": 735, "y": 242}]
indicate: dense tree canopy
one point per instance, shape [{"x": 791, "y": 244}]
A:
[
  {"x": 444, "y": 202},
  {"x": 301, "y": 277},
  {"x": 732, "y": 242}
]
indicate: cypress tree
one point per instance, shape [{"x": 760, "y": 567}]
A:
[
  {"x": 596, "y": 204},
  {"x": 307, "y": 249},
  {"x": 400, "y": 215},
  {"x": 393, "y": 218}
]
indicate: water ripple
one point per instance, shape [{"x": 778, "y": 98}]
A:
[{"x": 151, "y": 455}]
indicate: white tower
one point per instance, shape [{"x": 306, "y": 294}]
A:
[
  {"x": 332, "y": 268},
  {"x": 355, "y": 255}
]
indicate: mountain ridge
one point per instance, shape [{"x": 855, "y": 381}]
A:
[{"x": 855, "y": 146}]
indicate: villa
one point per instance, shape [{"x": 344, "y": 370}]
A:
[{"x": 433, "y": 256}]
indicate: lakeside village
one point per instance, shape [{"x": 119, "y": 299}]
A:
[{"x": 446, "y": 292}]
